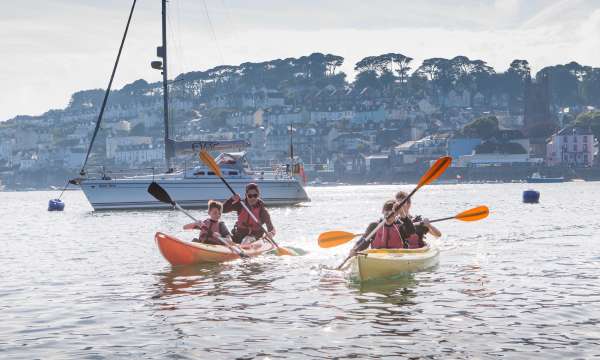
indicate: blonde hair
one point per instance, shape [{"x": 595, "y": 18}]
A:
[
  {"x": 401, "y": 195},
  {"x": 389, "y": 205}
]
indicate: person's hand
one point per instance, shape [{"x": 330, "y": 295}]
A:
[
  {"x": 235, "y": 198},
  {"x": 352, "y": 252},
  {"x": 425, "y": 221},
  {"x": 272, "y": 233}
]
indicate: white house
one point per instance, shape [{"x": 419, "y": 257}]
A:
[
  {"x": 571, "y": 146},
  {"x": 113, "y": 142},
  {"x": 138, "y": 154}
]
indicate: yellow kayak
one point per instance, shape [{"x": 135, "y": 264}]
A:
[{"x": 381, "y": 263}]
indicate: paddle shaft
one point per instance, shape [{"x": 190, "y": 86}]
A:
[{"x": 251, "y": 213}]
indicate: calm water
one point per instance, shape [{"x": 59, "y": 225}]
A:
[{"x": 521, "y": 284}]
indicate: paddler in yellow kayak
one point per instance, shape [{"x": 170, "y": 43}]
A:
[
  {"x": 212, "y": 228},
  {"x": 396, "y": 233},
  {"x": 245, "y": 225}
]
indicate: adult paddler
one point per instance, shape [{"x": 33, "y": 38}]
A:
[{"x": 245, "y": 225}]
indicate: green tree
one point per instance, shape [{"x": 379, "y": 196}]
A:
[
  {"x": 589, "y": 119},
  {"x": 483, "y": 128}
]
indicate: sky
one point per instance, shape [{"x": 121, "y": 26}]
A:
[{"x": 51, "y": 49}]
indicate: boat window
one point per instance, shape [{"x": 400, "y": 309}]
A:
[
  {"x": 210, "y": 173},
  {"x": 199, "y": 173},
  {"x": 233, "y": 173}
]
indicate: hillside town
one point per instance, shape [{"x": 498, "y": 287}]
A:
[{"x": 384, "y": 126}]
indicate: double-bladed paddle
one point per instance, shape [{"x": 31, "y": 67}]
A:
[
  {"x": 162, "y": 195},
  {"x": 433, "y": 173},
  {"x": 330, "y": 239},
  {"x": 212, "y": 164}
]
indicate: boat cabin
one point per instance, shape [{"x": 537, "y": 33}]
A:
[{"x": 233, "y": 164}]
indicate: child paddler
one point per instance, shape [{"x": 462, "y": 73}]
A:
[
  {"x": 245, "y": 225},
  {"x": 212, "y": 228},
  {"x": 387, "y": 237}
]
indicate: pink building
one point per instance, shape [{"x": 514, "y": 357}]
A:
[{"x": 571, "y": 146}]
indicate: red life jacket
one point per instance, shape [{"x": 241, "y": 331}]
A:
[
  {"x": 387, "y": 237},
  {"x": 209, "y": 232},
  {"x": 245, "y": 221}
]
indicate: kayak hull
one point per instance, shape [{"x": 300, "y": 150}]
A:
[
  {"x": 178, "y": 252},
  {"x": 383, "y": 263}
]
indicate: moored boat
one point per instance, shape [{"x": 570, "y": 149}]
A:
[
  {"x": 537, "y": 178},
  {"x": 383, "y": 263},
  {"x": 178, "y": 252}
]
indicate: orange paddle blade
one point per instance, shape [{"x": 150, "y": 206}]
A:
[
  {"x": 435, "y": 170},
  {"x": 474, "y": 214},
  {"x": 281, "y": 251},
  {"x": 334, "y": 238},
  {"x": 210, "y": 162}
]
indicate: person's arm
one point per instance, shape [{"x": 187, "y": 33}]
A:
[
  {"x": 266, "y": 219},
  {"x": 232, "y": 204},
  {"x": 363, "y": 242},
  {"x": 431, "y": 229}
]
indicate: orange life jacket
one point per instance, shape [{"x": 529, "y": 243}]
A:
[
  {"x": 245, "y": 221},
  {"x": 388, "y": 237}
]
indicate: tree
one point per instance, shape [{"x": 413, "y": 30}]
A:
[
  {"x": 367, "y": 78},
  {"x": 590, "y": 87},
  {"x": 563, "y": 83},
  {"x": 483, "y": 128},
  {"x": 590, "y": 119}
]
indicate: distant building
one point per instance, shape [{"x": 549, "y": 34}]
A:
[
  {"x": 482, "y": 160},
  {"x": 138, "y": 154},
  {"x": 112, "y": 143},
  {"x": 462, "y": 146},
  {"x": 572, "y": 146}
]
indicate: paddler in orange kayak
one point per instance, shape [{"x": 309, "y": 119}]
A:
[
  {"x": 245, "y": 225},
  {"x": 212, "y": 228}
]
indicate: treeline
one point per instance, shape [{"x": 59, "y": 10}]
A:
[{"x": 394, "y": 75}]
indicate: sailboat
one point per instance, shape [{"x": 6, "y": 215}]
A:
[{"x": 193, "y": 186}]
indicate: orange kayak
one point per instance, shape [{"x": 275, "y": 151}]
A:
[{"x": 179, "y": 252}]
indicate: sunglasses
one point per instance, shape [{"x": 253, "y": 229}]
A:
[{"x": 252, "y": 196}]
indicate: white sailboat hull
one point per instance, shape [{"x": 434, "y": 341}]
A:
[{"x": 192, "y": 193}]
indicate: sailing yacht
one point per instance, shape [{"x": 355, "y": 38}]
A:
[{"x": 193, "y": 186}]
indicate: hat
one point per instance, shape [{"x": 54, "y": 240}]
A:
[{"x": 252, "y": 186}]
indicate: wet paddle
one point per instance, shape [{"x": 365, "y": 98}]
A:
[
  {"x": 334, "y": 238},
  {"x": 161, "y": 195},
  {"x": 212, "y": 164},
  {"x": 474, "y": 214},
  {"x": 433, "y": 173},
  {"x": 330, "y": 239}
]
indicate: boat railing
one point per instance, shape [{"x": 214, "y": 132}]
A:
[{"x": 104, "y": 173}]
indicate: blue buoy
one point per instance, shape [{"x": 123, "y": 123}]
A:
[
  {"x": 56, "y": 205},
  {"x": 531, "y": 197}
]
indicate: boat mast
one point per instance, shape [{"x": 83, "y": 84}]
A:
[{"x": 162, "y": 53}]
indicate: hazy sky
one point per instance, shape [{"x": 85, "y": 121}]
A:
[{"x": 50, "y": 49}]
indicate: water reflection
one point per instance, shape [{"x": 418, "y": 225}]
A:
[{"x": 226, "y": 279}]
